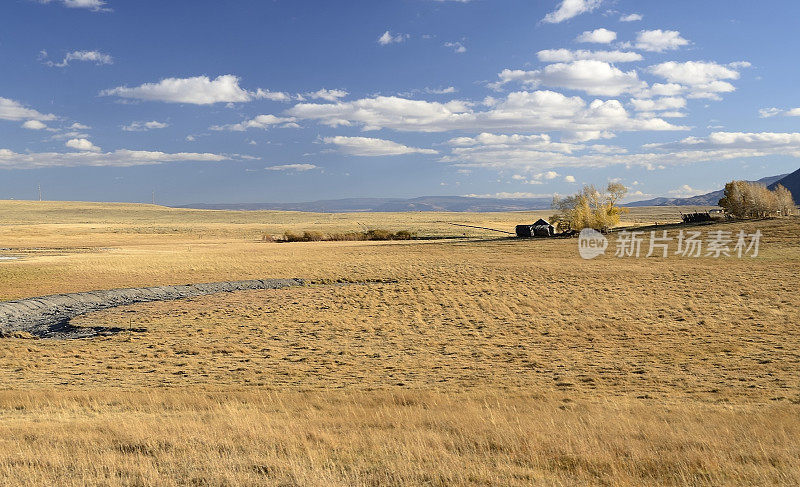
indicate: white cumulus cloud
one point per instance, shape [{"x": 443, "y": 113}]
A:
[
  {"x": 456, "y": 46},
  {"x": 693, "y": 72},
  {"x": 704, "y": 79},
  {"x": 692, "y": 150},
  {"x": 659, "y": 104},
  {"x": 291, "y": 167},
  {"x": 325, "y": 94},
  {"x": 144, "y": 126},
  {"x": 568, "y": 9},
  {"x": 69, "y": 134},
  {"x": 597, "y": 36},
  {"x": 630, "y": 18},
  {"x": 199, "y": 90},
  {"x": 771, "y": 112},
  {"x": 519, "y": 111},
  {"x": 82, "y": 145},
  {"x": 259, "y": 122},
  {"x": 662, "y": 89},
  {"x": 120, "y": 158},
  {"x": 566, "y": 56},
  {"x": 34, "y": 125},
  {"x": 95, "y": 57},
  {"x": 745, "y": 141},
  {"x": 388, "y": 38},
  {"x": 519, "y": 151},
  {"x": 686, "y": 191},
  {"x": 441, "y": 91},
  {"x": 593, "y": 77},
  {"x": 14, "y": 110},
  {"x": 369, "y": 147},
  {"x": 660, "y": 40},
  {"x": 94, "y": 5},
  {"x": 271, "y": 95},
  {"x": 537, "y": 142},
  {"x": 510, "y": 195}
]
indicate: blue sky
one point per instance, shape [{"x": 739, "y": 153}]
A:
[{"x": 294, "y": 100}]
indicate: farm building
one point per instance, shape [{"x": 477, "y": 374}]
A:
[{"x": 541, "y": 228}]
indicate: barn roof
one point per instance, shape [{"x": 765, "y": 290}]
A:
[{"x": 541, "y": 221}]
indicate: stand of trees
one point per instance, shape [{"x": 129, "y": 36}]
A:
[
  {"x": 591, "y": 208},
  {"x": 753, "y": 200}
]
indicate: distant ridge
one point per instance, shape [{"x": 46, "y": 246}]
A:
[
  {"x": 423, "y": 203},
  {"x": 708, "y": 199},
  {"x": 471, "y": 203},
  {"x": 790, "y": 182}
]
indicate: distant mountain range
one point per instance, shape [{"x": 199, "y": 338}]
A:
[
  {"x": 790, "y": 182},
  {"x": 423, "y": 203},
  {"x": 475, "y": 204},
  {"x": 708, "y": 199}
]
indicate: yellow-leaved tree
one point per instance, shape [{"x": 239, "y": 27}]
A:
[
  {"x": 786, "y": 204},
  {"x": 591, "y": 208},
  {"x": 743, "y": 199}
]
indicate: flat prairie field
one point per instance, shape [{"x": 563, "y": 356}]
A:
[{"x": 464, "y": 357}]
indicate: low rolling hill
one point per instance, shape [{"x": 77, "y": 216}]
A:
[
  {"x": 423, "y": 203},
  {"x": 790, "y": 182},
  {"x": 708, "y": 199},
  {"x": 474, "y": 204}
]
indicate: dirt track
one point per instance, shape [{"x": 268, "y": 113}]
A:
[{"x": 49, "y": 316}]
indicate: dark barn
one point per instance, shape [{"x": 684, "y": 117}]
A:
[
  {"x": 524, "y": 230},
  {"x": 541, "y": 228}
]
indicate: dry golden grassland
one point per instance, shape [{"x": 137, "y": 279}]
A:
[{"x": 473, "y": 361}]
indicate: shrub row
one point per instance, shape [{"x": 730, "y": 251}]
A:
[{"x": 312, "y": 236}]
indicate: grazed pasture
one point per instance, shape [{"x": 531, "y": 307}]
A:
[{"x": 474, "y": 361}]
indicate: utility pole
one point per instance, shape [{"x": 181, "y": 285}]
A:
[
  {"x": 154, "y": 196},
  {"x": 39, "y": 187}
]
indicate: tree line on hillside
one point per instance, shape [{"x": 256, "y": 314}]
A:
[{"x": 744, "y": 199}]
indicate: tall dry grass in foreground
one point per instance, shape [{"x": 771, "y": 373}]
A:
[
  {"x": 399, "y": 438},
  {"x": 480, "y": 361}
]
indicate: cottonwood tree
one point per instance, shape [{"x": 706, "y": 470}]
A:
[
  {"x": 786, "y": 203},
  {"x": 743, "y": 199},
  {"x": 733, "y": 199},
  {"x": 591, "y": 208}
]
